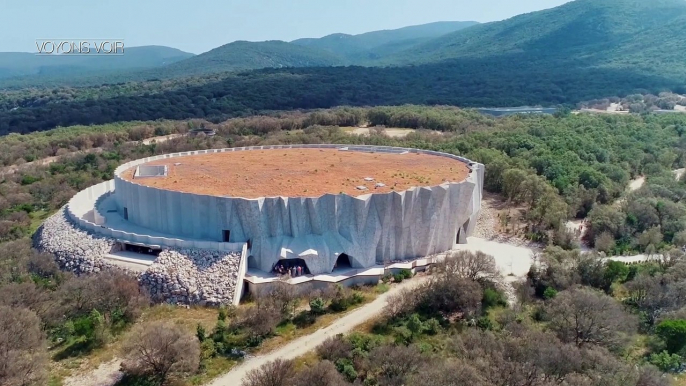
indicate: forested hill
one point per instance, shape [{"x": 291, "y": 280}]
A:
[
  {"x": 244, "y": 55},
  {"x": 377, "y": 44},
  {"x": 611, "y": 33}
]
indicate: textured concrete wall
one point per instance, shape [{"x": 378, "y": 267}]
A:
[
  {"x": 370, "y": 229},
  {"x": 82, "y": 210}
]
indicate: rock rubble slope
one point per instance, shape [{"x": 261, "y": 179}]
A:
[{"x": 178, "y": 276}]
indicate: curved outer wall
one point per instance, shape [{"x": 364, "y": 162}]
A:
[{"x": 370, "y": 229}]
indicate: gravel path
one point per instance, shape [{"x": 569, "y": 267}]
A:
[
  {"x": 308, "y": 343},
  {"x": 107, "y": 374}
]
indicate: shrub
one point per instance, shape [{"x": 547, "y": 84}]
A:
[
  {"x": 432, "y": 326},
  {"x": 346, "y": 368},
  {"x": 317, "y": 306}
]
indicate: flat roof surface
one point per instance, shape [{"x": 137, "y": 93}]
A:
[{"x": 301, "y": 173}]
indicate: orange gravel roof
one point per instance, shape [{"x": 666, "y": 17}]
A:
[{"x": 301, "y": 173}]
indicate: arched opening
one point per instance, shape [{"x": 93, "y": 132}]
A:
[
  {"x": 461, "y": 237},
  {"x": 342, "y": 262},
  {"x": 291, "y": 267}
]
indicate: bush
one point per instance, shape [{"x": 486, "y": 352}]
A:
[
  {"x": 665, "y": 361},
  {"x": 346, "y": 368},
  {"x": 493, "y": 298},
  {"x": 335, "y": 348},
  {"x": 160, "y": 350},
  {"x": 485, "y": 323},
  {"x": 549, "y": 293}
]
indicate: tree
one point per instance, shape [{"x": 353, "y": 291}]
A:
[
  {"x": 160, "y": 350},
  {"x": 476, "y": 266},
  {"x": 448, "y": 373},
  {"x": 323, "y": 373},
  {"x": 583, "y": 316},
  {"x": 276, "y": 373},
  {"x": 605, "y": 242},
  {"x": 23, "y": 355},
  {"x": 673, "y": 333},
  {"x": 335, "y": 348},
  {"x": 616, "y": 271},
  {"x": 450, "y": 294},
  {"x": 393, "y": 365}
]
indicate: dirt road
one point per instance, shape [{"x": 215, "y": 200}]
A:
[{"x": 308, "y": 343}]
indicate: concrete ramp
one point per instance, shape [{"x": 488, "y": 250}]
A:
[{"x": 136, "y": 262}]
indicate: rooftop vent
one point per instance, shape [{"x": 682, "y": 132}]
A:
[{"x": 144, "y": 171}]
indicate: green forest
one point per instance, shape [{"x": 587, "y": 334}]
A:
[{"x": 467, "y": 83}]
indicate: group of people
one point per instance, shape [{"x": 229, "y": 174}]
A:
[{"x": 293, "y": 269}]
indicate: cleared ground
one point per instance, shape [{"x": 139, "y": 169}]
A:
[{"x": 302, "y": 173}]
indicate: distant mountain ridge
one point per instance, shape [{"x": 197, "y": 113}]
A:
[
  {"x": 372, "y": 45},
  {"x": 17, "y": 64},
  {"x": 331, "y": 50},
  {"x": 243, "y": 55}
]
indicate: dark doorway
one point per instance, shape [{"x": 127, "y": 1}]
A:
[
  {"x": 343, "y": 261},
  {"x": 126, "y": 213},
  {"x": 226, "y": 235},
  {"x": 249, "y": 243},
  {"x": 461, "y": 237},
  {"x": 142, "y": 250},
  {"x": 290, "y": 267}
]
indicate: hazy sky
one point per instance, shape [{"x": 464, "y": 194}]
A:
[{"x": 199, "y": 25}]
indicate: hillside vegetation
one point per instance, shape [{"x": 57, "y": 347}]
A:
[
  {"x": 616, "y": 33},
  {"x": 555, "y": 167}
]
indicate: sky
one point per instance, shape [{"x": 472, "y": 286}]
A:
[{"x": 199, "y": 25}]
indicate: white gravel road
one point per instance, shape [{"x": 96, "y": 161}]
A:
[{"x": 308, "y": 343}]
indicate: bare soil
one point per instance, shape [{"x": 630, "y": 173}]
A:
[{"x": 302, "y": 173}]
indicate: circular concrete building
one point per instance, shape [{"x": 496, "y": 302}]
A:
[{"x": 324, "y": 204}]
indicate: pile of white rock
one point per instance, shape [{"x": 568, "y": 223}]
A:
[
  {"x": 178, "y": 276},
  {"x": 75, "y": 250},
  {"x": 193, "y": 276}
]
